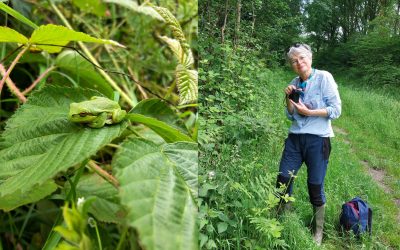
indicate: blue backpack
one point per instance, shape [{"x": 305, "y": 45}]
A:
[{"x": 357, "y": 216}]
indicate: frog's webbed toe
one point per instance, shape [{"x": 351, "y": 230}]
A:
[
  {"x": 99, "y": 121},
  {"x": 118, "y": 115}
]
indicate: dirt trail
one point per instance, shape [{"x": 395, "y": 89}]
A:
[{"x": 378, "y": 175}]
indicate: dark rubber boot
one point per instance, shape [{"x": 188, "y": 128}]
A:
[{"x": 319, "y": 216}]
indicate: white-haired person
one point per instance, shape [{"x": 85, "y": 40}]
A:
[{"x": 312, "y": 101}]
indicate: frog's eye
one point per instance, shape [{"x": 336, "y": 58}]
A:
[{"x": 82, "y": 114}]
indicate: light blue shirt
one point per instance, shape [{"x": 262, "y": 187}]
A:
[{"x": 321, "y": 92}]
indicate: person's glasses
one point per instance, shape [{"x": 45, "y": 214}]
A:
[{"x": 297, "y": 60}]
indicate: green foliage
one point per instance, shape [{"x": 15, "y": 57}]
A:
[
  {"x": 160, "y": 118},
  {"x": 17, "y": 15},
  {"x": 106, "y": 207},
  {"x": 61, "y": 36},
  {"x": 10, "y": 35},
  {"x": 96, "y": 7},
  {"x": 146, "y": 10},
  {"x": 186, "y": 76},
  {"x": 45, "y": 159},
  {"x": 240, "y": 101},
  {"x": 74, "y": 232},
  {"x": 158, "y": 184},
  {"x": 39, "y": 141},
  {"x": 81, "y": 72},
  {"x": 18, "y": 198},
  {"x": 50, "y": 37},
  {"x": 383, "y": 66}
]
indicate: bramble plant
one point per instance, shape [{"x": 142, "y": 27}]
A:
[{"x": 135, "y": 169}]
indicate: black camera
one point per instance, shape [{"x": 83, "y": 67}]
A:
[{"x": 295, "y": 95}]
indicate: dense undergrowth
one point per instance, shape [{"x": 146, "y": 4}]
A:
[
  {"x": 98, "y": 125},
  {"x": 243, "y": 129}
]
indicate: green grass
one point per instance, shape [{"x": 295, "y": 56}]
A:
[
  {"x": 370, "y": 121},
  {"x": 373, "y": 124}
]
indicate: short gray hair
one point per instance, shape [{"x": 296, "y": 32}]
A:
[{"x": 300, "y": 48}]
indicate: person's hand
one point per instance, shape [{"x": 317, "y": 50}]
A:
[
  {"x": 301, "y": 108},
  {"x": 289, "y": 89}
]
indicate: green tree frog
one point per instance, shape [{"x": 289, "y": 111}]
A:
[{"x": 96, "y": 112}]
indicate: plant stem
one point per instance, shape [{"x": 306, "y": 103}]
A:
[
  {"x": 122, "y": 238},
  {"x": 14, "y": 89},
  {"x": 98, "y": 236},
  {"x": 26, "y": 220},
  {"x": 27, "y": 90},
  {"x": 136, "y": 82},
  {"x": 94, "y": 61},
  {"x": 13, "y": 64},
  {"x": 54, "y": 237},
  {"x": 111, "y": 179}
]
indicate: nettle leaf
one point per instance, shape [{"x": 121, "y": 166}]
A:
[
  {"x": 83, "y": 72},
  {"x": 16, "y": 199},
  {"x": 185, "y": 157},
  {"x": 12, "y": 36},
  {"x": 61, "y": 36},
  {"x": 39, "y": 141},
  {"x": 187, "y": 84},
  {"x": 159, "y": 199}
]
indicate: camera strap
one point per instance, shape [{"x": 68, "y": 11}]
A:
[{"x": 303, "y": 84}]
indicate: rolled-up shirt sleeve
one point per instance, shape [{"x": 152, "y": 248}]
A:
[
  {"x": 288, "y": 115},
  {"x": 331, "y": 97}
]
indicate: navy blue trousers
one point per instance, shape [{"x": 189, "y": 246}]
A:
[{"x": 314, "y": 151}]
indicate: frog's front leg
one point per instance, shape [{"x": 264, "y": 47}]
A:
[
  {"x": 118, "y": 115},
  {"x": 99, "y": 121}
]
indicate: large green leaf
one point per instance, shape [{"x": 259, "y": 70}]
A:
[
  {"x": 185, "y": 157},
  {"x": 83, "y": 72},
  {"x": 168, "y": 133},
  {"x": 9, "y": 35},
  {"x": 161, "y": 206},
  {"x": 159, "y": 110},
  {"x": 51, "y": 37},
  {"x": 16, "y": 199},
  {"x": 158, "y": 116},
  {"x": 61, "y": 36},
  {"x": 39, "y": 140}
]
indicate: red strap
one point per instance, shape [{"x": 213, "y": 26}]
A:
[{"x": 355, "y": 209}]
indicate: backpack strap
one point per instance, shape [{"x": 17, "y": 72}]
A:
[
  {"x": 363, "y": 212},
  {"x": 369, "y": 221}
]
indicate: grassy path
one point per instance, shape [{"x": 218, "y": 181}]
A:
[{"x": 365, "y": 163}]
